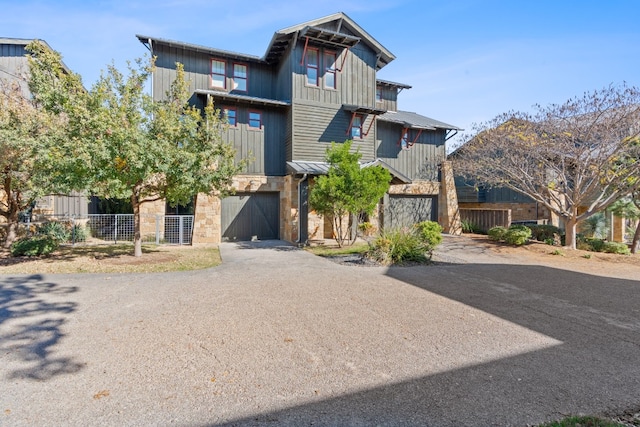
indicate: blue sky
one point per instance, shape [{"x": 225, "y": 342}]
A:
[{"x": 467, "y": 60}]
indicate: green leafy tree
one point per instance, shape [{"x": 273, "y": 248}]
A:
[
  {"x": 34, "y": 152},
  {"x": 347, "y": 190},
  {"x": 630, "y": 208},
  {"x": 132, "y": 147},
  {"x": 567, "y": 157}
]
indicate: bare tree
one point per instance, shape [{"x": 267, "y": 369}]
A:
[{"x": 568, "y": 157}]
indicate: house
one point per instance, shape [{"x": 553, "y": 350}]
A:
[
  {"x": 14, "y": 67},
  {"x": 316, "y": 83}
]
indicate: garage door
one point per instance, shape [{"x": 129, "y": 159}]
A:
[
  {"x": 251, "y": 215},
  {"x": 404, "y": 211}
]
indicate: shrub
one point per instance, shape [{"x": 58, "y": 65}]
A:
[
  {"x": 34, "y": 246},
  {"x": 469, "y": 227},
  {"x": 497, "y": 233},
  {"x": 55, "y": 230},
  {"x": 517, "y": 235},
  {"x": 79, "y": 233},
  {"x": 616, "y": 248},
  {"x": 402, "y": 245},
  {"x": 543, "y": 232},
  {"x": 549, "y": 242},
  {"x": 366, "y": 228},
  {"x": 597, "y": 245}
]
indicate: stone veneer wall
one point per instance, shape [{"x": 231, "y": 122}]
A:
[
  {"x": 448, "y": 210},
  {"x": 148, "y": 213}
]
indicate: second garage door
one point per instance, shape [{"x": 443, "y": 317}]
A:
[{"x": 246, "y": 216}]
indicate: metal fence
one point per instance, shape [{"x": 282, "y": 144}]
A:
[{"x": 158, "y": 229}]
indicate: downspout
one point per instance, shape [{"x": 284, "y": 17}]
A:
[{"x": 304, "y": 178}]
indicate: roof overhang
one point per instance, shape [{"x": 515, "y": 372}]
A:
[
  {"x": 149, "y": 42},
  {"x": 358, "y": 109},
  {"x": 242, "y": 99},
  {"x": 299, "y": 167},
  {"x": 328, "y": 37}
]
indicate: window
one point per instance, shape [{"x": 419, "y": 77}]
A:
[
  {"x": 240, "y": 77},
  {"x": 218, "y": 74},
  {"x": 255, "y": 119},
  {"x": 231, "y": 115},
  {"x": 378, "y": 94},
  {"x": 404, "y": 141},
  {"x": 330, "y": 70},
  {"x": 356, "y": 127},
  {"x": 312, "y": 67}
]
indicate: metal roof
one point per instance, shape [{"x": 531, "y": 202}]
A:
[
  {"x": 392, "y": 84},
  {"x": 362, "y": 109},
  {"x": 245, "y": 99},
  {"x": 414, "y": 120},
  {"x": 300, "y": 167},
  {"x": 198, "y": 48}
]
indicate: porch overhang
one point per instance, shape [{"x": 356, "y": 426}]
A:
[
  {"x": 300, "y": 167},
  {"x": 242, "y": 99}
]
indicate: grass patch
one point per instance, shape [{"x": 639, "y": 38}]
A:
[
  {"x": 330, "y": 250},
  {"x": 113, "y": 259},
  {"x": 583, "y": 422}
]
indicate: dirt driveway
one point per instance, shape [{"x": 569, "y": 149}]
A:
[{"x": 277, "y": 336}]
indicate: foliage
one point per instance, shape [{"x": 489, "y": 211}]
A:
[
  {"x": 600, "y": 245},
  {"x": 616, "y": 248},
  {"x": 366, "y": 228},
  {"x": 34, "y": 246},
  {"x": 557, "y": 252},
  {"x": 517, "y": 235},
  {"x": 55, "y": 230},
  {"x": 497, "y": 233},
  {"x": 630, "y": 208},
  {"x": 469, "y": 226},
  {"x": 595, "y": 226},
  {"x": 407, "y": 244},
  {"x": 79, "y": 233},
  {"x": 578, "y": 154},
  {"x": 138, "y": 149},
  {"x": 34, "y": 154},
  {"x": 348, "y": 189},
  {"x": 544, "y": 232}
]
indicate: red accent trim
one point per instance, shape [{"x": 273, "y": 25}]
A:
[
  {"x": 259, "y": 113},
  {"x": 404, "y": 131},
  {"x": 328, "y": 70},
  {"x": 370, "y": 125},
  {"x": 304, "y": 51},
  {"x": 211, "y": 74},
  {"x": 246, "y": 79},
  {"x": 348, "y": 132},
  {"x": 344, "y": 59},
  {"x": 315, "y": 67}
]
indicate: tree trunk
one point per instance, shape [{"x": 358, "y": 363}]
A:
[
  {"x": 570, "y": 233},
  {"x": 636, "y": 240},
  {"x": 12, "y": 233},
  {"x": 137, "y": 236}
]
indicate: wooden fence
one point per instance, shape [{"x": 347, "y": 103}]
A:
[{"x": 484, "y": 219}]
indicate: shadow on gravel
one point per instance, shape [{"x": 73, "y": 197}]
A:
[
  {"x": 31, "y": 322},
  {"x": 593, "y": 370},
  {"x": 278, "y": 245}
]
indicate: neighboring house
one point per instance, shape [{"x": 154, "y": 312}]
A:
[
  {"x": 316, "y": 83},
  {"x": 14, "y": 66}
]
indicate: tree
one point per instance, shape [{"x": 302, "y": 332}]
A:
[
  {"x": 347, "y": 189},
  {"x": 140, "y": 149},
  {"x": 566, "y": 157},
  {"x": 34, "y": 153},
  {"x": 630, "y": 208}
]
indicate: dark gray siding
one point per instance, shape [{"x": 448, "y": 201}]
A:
[
  {"x": 264, "y": 147},
  {"x": 389, "y": 99},
  {"x": 420, "y": 161},
  {"x": 13, "y": 64},
  {"x": 317, "y": 125}
]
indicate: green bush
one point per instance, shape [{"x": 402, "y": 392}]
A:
[
  {"x": 414, "y": 244},
  {"x": 616, "y": 248},
  {"x": 79, "y": 233},
  {"x": 517, "y": 235},
  {"x": 543, "y": 232},
  {"x": 34, "y": 246},
  {"x": 497, "y": 233},
  {"x": 55, "y": 230},
  {"x": 469, "y": 227}
]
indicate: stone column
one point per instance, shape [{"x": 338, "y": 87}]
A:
[
  {"x": 207, "y": 221},
  {"x": 448, "y": 212},
  {"x": 149, "y": 211}
]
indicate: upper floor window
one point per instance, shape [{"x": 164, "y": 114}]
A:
[
  {"x": 312, "y": 66},
  {"x": 255, "y": 119},
  {"x": 240, "y": 77},
  {"x": 330, "y": 70},
  {"x": 218, "y": 74},
  {"x": 378, "y": 94},
  {"x": 356, "y": 127},
  {"x": 232, "y": 115}
]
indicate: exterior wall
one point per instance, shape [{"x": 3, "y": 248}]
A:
[
  {"x": 419, "y": 162},
  {"x": 14, "y": 62},
  {"x": 519, "y": 211},
  {"x": 148, "y": 213},
  {"x": 448, "y": 210},
  {"x": 389, "y": 100}
]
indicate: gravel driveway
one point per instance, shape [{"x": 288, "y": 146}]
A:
[{"x": 277, "y": 336}]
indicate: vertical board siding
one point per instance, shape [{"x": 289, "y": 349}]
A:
[
  {"x": 316, "y": 126},
  {"x": 419, "y": 162},
  {"x": 405, "y": 211}
]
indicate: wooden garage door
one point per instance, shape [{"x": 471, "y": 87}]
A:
[
  {"x": 404, "y": 211},
  {"x": 251, "y": 215}
]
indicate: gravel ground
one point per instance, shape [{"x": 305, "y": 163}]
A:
[{"x": 278, "y": 336}]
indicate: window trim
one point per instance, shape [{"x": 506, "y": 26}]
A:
[
  {"x": 211, "y": 74},
  {"x": 316, "y": 67},
  {"x": 359, "y": 117},
  {"x": 327, "y": 70},
  {"x": 259, "y": 113},
  {"x": 246, "y": 79},
  {"x": 226, "y": 110}
]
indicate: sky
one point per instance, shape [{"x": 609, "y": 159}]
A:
[{"x": 467, "y": 60}]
